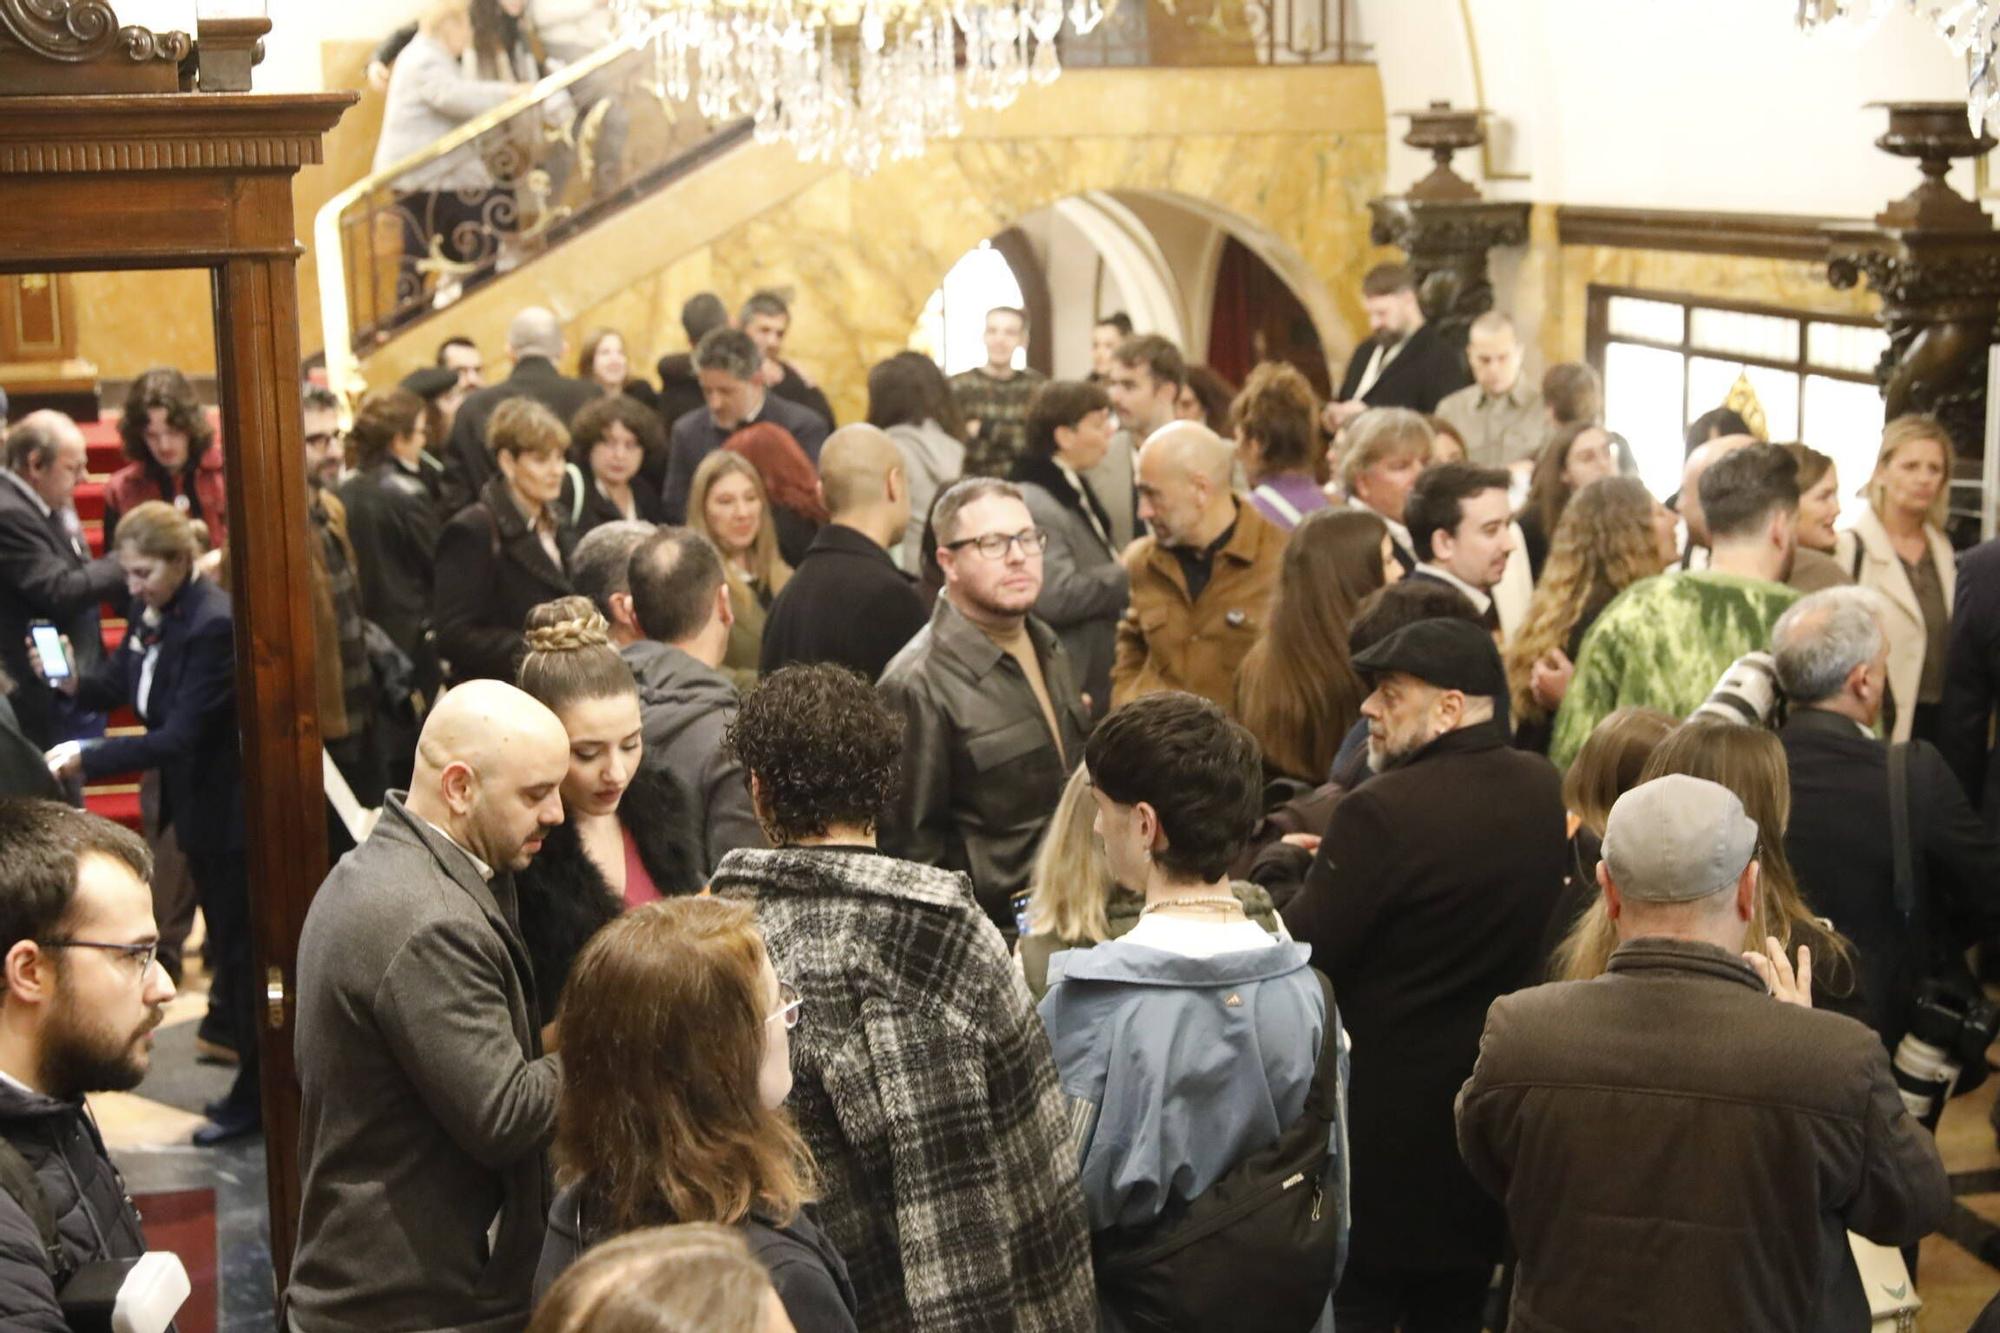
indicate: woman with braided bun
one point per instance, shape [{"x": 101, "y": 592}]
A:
[{"x": 631, "y": 831}]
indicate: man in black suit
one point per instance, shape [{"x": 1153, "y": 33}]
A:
[
  {"x": 1403, "y": 362},
  {"x": 535, "y": 342},
  {"x": 1832, "y": 661},
  {"x": 1462, "y": 529},
  {"x": 731, "y": 370},
  {"x": 1427, "y": 900},
  {"x": 46, "y": 572},
  {"x": 848, "y": 603}
]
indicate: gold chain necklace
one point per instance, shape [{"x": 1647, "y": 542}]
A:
[{"x": 1201, "y": 904}]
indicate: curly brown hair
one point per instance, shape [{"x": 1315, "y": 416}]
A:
[
  {"x": 823, "y": 749},
  {"x": 164, "y": 387},
  {"x": 1278, "y": 412},
  {"x": 1603, "y": 545}
]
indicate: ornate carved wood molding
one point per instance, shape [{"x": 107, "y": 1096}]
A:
[
  {"x": 214, "y": 132},
  {"x": 1759, "y": 235},
  {"x": 77, "y": 31}
]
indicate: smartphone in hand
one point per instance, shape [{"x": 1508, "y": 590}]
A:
[{"x": 49, "y": 647}]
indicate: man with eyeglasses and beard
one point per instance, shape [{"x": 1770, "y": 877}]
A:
[
  {"x": 80, "y": 997},
  {"x": 994, "y": 718},
  {"x": 1426, "y": 900}
]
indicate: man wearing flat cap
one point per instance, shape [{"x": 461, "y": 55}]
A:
[
  {"x": 1427, "y": 898},
  {"x": 1683, "y": 1142}
]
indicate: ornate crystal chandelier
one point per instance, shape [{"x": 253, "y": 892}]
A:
[
  {"x": 853, "y": 81},
  {"x": 1971, "y": 27}
]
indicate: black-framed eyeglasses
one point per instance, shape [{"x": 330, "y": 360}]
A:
[
  {"x": 995, "y": 545},
  {"x": 788, "y": 1006},
  {"x": 322, "y": 438},
  {"x": 145, "y": 955}
]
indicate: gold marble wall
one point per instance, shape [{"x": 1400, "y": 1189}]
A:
[{"x": 1292, "y": 153}]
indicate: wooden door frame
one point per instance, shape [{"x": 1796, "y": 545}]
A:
[{"x": 204, "y": 181}]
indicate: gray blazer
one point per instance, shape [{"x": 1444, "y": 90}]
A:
[
  {"x": 1084, "y": 590},
  {"x": 430, "y": 95},
  {"x": 427, "y": 1101}
]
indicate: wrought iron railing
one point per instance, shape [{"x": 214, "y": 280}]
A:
[
  {"x": 498, "y": 190},
  {"x": 600, "y": 133}
]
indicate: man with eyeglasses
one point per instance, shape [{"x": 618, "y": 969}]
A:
[
  {"x": 82, "y": 996},
  {"x": 1202, "y": 581},
  {"x": 994, "y": 718}
]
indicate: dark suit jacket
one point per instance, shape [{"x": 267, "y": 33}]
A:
[
  {"x": 1840, "y": 848},
  {"x": 696, "y": 436},
  {"x": 1972, "y": 679},
  {"x": 1425, "y": 370},
  {"x": 491, "y": 571},
  {"x": 847, "y": 604},
  {"x": 1427, "y": 899},
  {"x": 793, "y": 388},
  {"x": 468, "y": 462},
  {"x": 598, "y": 510},
  {"x": 190, "y": 717},
  {"x": 43, "y": 576}
]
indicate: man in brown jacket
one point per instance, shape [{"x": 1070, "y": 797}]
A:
[
  {"x": 1202, "y": 581},
  {"x": 1676, "y": 1148}
]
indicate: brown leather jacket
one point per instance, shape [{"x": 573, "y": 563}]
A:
[
  {"x": 1676, "y": 1149},
  {"x": 1166, "y": 642}
]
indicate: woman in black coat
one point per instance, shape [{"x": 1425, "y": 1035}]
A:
[
  {"x": 610, "y": 442},
  {"x": 177, "y": 669},
  {"x": 392, "y": 522},
  {"x": 506, "y": 552}
]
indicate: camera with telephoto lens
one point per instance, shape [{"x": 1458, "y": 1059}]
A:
[{"x": 1949, "y": 1029}]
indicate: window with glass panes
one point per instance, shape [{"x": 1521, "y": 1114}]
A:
[{"x": 1667, "y": 359}]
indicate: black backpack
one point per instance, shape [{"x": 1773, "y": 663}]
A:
[{"x": 1259, "y": 1250}]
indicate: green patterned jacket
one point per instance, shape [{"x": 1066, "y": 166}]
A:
[{"x": 1663, "y": 643}]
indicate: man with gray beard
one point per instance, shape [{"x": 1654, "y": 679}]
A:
[{"x": 1427, "y": 899}]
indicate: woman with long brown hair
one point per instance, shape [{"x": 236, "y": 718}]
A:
[
  {"x": 1575, "y": 456},
  {"x": 1611, "y": 535},
  {"x": 676, "y": 1061},
  {"x": 1750, "y": 762},
  {"x": 728, "y": 504},
  {"x": 1296, "y": 692}
]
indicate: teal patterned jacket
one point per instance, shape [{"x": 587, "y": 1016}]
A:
[{"x": 1663, "y": 643}]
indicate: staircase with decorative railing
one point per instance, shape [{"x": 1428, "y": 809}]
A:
[{"x": 603, "y": 134}]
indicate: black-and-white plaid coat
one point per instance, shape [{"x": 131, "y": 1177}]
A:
[{"x": 923, "y": 1082}]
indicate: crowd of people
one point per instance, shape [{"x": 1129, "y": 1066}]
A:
[{"x": 1117, "y": 852}]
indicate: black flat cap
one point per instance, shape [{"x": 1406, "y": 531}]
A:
[
  {"x": 429, "y": 382},
  {"x": 1451, "y": 654}
]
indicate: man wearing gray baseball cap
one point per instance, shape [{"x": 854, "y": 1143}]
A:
[{"x": 1675, "y": 1147}]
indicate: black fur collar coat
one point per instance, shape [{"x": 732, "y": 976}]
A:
[{"x": 565, "y": 899}]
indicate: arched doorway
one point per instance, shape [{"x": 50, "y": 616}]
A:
[{"x": 1188, "y": 270}]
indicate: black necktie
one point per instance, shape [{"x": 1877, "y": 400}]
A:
[
  {"x": 64, "y": 538},
  {"x": 1490, "y": 617}
]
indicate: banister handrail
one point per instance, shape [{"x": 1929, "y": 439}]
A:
[{"x": 329, "y": 256}]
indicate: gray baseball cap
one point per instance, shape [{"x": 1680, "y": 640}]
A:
[{"x": 1677, "y": 838}]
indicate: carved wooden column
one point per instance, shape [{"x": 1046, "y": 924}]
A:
[
  {"x": 1934, "y": 259},
  {"x": 1444, "y": 226}
]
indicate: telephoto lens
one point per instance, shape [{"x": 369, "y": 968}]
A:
[{"x": 1948, "y": 1030}]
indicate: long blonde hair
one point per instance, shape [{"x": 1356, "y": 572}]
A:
[
  {"x": 1603, "y": 545},
  {"x": 1913, "y": 428},
  {"x": 766, "y": 565},
  {"x": 1071, "y": 881},
  {"x": 1750, "y": 762}
]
